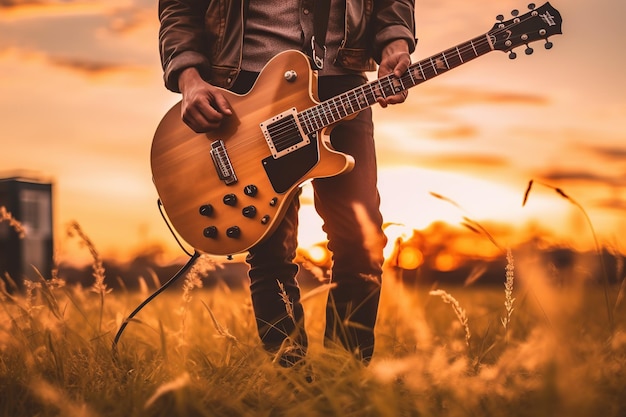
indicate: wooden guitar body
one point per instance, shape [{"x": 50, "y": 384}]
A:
[{"x": 224, "y": 216}]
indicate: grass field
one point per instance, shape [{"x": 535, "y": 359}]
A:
[{"x": 527, "y": 348}]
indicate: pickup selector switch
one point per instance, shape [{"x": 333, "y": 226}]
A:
[
  {"x": 230, "y": 199},
  {"x": 249, "y": 211},
  {"x": 206, "y": 210},
  {"x": 250, "y": 190},
  {"x": 265, "y": 219},
  {"x": 233, "y": 232},
  {"x": 210, "y": 232},
  {"x": 273, "y": 201}
]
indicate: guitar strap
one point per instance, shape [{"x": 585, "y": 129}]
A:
[{"x": 320, "y": 27}]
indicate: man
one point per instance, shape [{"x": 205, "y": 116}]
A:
[{"x": 206, "y": 44}]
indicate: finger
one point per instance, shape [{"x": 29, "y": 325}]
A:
[
  {"x": 402, "y": 65},
  {"x": 202, "y": 118},
  {"x": 222, "y": 105}
]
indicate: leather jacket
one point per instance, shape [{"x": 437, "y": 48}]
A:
[{"x": 208, "y": 34}]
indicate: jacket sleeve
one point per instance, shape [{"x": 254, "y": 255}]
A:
[
  {"x": 393, "y": 20},
  {"x": 182, "y": 43}
]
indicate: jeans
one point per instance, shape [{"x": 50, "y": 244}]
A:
[{"x": 349, "y": 206}]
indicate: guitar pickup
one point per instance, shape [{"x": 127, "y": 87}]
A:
[
  {"x": 222, "y": 163},
  {"x": 284, "y": 134}
]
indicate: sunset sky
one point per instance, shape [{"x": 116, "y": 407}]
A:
[{"x": 81, "y": 94}]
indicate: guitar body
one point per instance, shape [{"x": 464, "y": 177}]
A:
[{"x": 227, "y": 190}]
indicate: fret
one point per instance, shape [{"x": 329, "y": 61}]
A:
[
  {"x": 304, "y": 119},
  {"x": 453, "y": 60},
  {"x": 342, "y": 100},
  {"x": 410, "y": 71},
  {"x": 473, "y": 47},
  {"x": 315, "y": 118},
  {"x": 443, "y": 55},
  {"x": 368, "y": 99},
  {"x": 432, "y": 64},
  {"x": 350, "y": 102},
  {"x": 336, "y": 111},
  {"x": 422, "y": 70},
  {"x": 459, "y": 54},
  {"x": 324, "y": 115}
]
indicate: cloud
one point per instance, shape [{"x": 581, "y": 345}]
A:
[
  {"x": 609, "y": 153},
  {"x": 612, "y": 204},
  {"x": 88, "y": 67},
  {"x": 461, "y": 131},
  {"x": 458, "y": 96},
  {"x": 585, "y": 176}
]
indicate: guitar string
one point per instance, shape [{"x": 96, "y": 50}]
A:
[{"x": 321, "y": 115}]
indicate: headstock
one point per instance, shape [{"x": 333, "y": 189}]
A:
[{"x": 538, "y": 23}]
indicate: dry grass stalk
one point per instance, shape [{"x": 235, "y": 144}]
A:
[
  {"x": 99, "y": 287},
  {"x": 458, "y": 310},
  {"x": 287, "y": 301},
  {"x": 508, "y": 292},
  {"x": 171, "y": 386},
  {"x": 6, "y": 216},
  {"x": 605, "y": 277}
]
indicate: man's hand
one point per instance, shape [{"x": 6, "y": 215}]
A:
[
  {"x": 203, "y": 105},
  {"x": 395, "y": 59}
]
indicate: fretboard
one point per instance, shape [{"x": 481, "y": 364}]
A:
[{"x": 353, "y": 101}]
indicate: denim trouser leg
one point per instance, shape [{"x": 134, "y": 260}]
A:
[
  {"x": 349, "y": 205},
  {"x": 272, "y": 267}
]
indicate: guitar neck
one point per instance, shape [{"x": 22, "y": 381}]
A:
[{"x": 353, "y": 101}]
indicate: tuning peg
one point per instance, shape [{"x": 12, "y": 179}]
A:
[
  {"x": 529, "y": 50},
  {"x": 531, "y": 6},
  {"x": 548, "y": 44},
  {"x": 512, "y": 55},
  {"x": 499, "y": 18},
  {"x": 514, "y": 12}
]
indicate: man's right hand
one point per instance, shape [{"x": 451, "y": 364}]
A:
[{"x": 203, "y": 105}]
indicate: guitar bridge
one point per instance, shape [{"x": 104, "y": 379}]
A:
[
  {"x": 284, "y": 134},
  {"x": 222, "y": 163}
]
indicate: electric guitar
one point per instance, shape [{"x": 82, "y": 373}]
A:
[{"x": 227, "y": 190}]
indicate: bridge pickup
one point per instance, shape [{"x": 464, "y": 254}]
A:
[
  {"x": 284, "y": 134},
  {"x": 222, "y": 163}
]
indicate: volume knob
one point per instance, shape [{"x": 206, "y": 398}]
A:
[
  {"x": 230, "y": 199},
  {"x": 233, "y": 232},
  {"x": 210, "y": 232},
  {"x": 249, "y": 211},
  {"x": 206, "y": 210}
]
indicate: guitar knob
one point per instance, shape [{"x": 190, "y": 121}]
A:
[
  {"x": 233, "y": 232},
  {"x": 265, "y": 219},
  {"x": 250, "y": 190},
  {"x": 249, "y": 211},
  {"x": 210, "y": 232},
  {"x": 206, "y": 210},
  {"x": 230, "y": 199}
]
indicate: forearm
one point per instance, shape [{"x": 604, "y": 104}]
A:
[
  {"x": 181, "y": 40},
  {"x": 394, "y": 20}
]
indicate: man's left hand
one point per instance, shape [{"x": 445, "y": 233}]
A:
[{"x": 395, "y": 59}]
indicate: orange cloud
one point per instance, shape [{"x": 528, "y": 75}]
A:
[
  {"x": 94, "y": 68},
  {"x": 449, "y": 96}
]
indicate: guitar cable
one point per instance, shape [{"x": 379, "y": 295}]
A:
[{"x": 174, "y": 278}]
